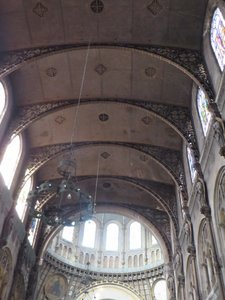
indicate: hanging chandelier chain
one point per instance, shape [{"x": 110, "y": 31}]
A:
[
  {"x": 96, "y": 183},
  {"x": 74, "y": 128}
]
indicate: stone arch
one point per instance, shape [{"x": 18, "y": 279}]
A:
[{"x": 116, "y": 210}]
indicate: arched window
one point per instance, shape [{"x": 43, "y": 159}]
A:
[
  {"x": 160, "y": 290},
  {"x": 154, "y": 241},
  {"x": 191, "y": 162},
  {"x": 67, "y": 233},
  {"x": 89, "y": 234},
  {"x": 112, "y": 237},
  {"x": 10, "y": 160},
  {"x": 21, "y": 201},
  {"x": 217, "y": 35},
  {"x": 135, "y": 235},
  {"x": 2, "y": 100},
  {"x": 203, "y": 111},
  {"x": 33, "y": 231}
]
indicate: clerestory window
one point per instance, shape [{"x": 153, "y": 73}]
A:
[
  {"x": 10, "y": 160},
  {"x": 135, "y": 236},
  {"x": 217, "y": 37},
  {"x": 112, "y": 237},
  {"x": 203, "y": 111},
  {"x": 67, "y": 233},
  {"x": 89, "y": 234},
  {"x": 21, "y": 201}
]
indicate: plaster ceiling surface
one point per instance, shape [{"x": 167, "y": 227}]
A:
[
  {"x": 113, "y": 73},
  {"x": 109, "y": 73},
  {"x": 112, "y": 191},
  {"x": 125, "y": 123},
  {"x": 28, "y": 23},
  {"x": 116, "y": 161}
]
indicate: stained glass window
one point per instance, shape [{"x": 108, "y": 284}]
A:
[
  {"x": 2, "y": 100},
  {"x": 33, "y": 231},
  {"x": 191, "y": 162},
  {"x": 89, "y": 234},
  {"x": 67, "y": 233},
  {"x": 10, "y": 160},
  {"x": 135, "y": 235},
  {"x": 204, "y": 114},
  {"x": 21, "y": 201},
  {"x": 112, "y": 237},
  {"x": 217, "y": 35}
]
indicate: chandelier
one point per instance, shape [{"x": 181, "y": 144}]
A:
[{"x": 66, "y": 190}]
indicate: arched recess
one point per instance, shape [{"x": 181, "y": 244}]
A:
[
  {"x": 191, "y": 280},
  {"x": 159, "y": 289},
  {"x": 105, "y": 291},
  {"x": 219, "y": 211},
  {"x": 166, "y": 250},
  {"x": 206, "y": 259}
]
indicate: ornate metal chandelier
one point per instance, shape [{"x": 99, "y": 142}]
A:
[{"x": 66, "y": 189}]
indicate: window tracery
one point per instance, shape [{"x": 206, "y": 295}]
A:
[
  {"x": 10, "y": 160},
  {"x": 203, "y": 111},
  {"x": 217, "y": 37}
]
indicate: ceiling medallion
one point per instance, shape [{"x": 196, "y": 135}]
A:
[
  {"x": 51, "y": 72},
  {"x": 103, "y": 117},
  {"x": 97, "y": 6},
  {"x": 100, "y": 69},
  {"x": 155, "y": 7},
  {"x": 146, "y": 120},
  {"x": 40, "y": 10},
  {"x": 105, "y": 155},
  {"x": 150, "y": 72},
  {"x": 59, "y": 119}
]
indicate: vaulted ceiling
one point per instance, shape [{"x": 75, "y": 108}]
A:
[{"x": 134, "y": 105}]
